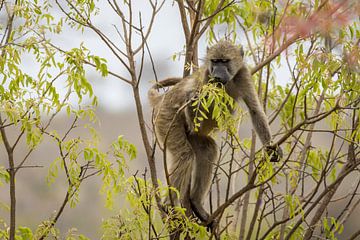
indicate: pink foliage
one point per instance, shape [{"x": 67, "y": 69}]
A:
[{"x": 329, "y": 17}]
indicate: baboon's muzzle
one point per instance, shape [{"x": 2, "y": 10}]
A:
[{"x": 220, "y": 74}]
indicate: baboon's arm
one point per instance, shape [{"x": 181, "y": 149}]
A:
[
  {"x": 257, "y": 114},
  {"x": 258, "y": 117}
]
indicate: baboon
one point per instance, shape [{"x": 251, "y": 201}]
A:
[{"x": 192, "y": 154}]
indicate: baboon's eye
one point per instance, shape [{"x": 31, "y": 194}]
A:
[
  {"x": 220, "y": 60},
  {"x": 225, "y": 60}
]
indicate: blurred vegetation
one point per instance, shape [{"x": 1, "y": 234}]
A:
[{"x": 317, "y": 43}]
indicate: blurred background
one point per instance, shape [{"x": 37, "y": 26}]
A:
[{"x": 36, "y": 201}]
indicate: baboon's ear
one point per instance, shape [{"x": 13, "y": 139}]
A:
[{"x": 241, "y": 51}]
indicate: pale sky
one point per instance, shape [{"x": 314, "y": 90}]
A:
[{"x": 165, "y": 39}]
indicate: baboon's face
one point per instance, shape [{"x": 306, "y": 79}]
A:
[
  {"x": 220, "y": 70},
  {"x": 223, "y": 60}
]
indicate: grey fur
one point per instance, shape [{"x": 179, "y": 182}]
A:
[{"x": 193, "y": 154}]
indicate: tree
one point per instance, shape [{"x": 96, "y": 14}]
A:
[{"x": 317, "y": 41}]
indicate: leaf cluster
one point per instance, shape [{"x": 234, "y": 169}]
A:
[{"x": 213, "y": 103}]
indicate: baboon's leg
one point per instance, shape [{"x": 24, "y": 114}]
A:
[
  {"x": 180, "y": 161},
  {"x": 206, "y": 154}
]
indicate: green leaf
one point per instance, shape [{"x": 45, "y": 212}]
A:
[
  {"x": 4, "y": 175},
  {"x": 25, "y": 233}
]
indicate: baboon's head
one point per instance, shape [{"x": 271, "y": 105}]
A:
[{"x": 223, "y": 61}]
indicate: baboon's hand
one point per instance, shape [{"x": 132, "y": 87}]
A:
[
  {"x": 275, "y": 153},
  {"x": 211, "y": 227}
]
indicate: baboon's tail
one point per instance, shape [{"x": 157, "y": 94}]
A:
[{"x": 154, "y": 96}]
